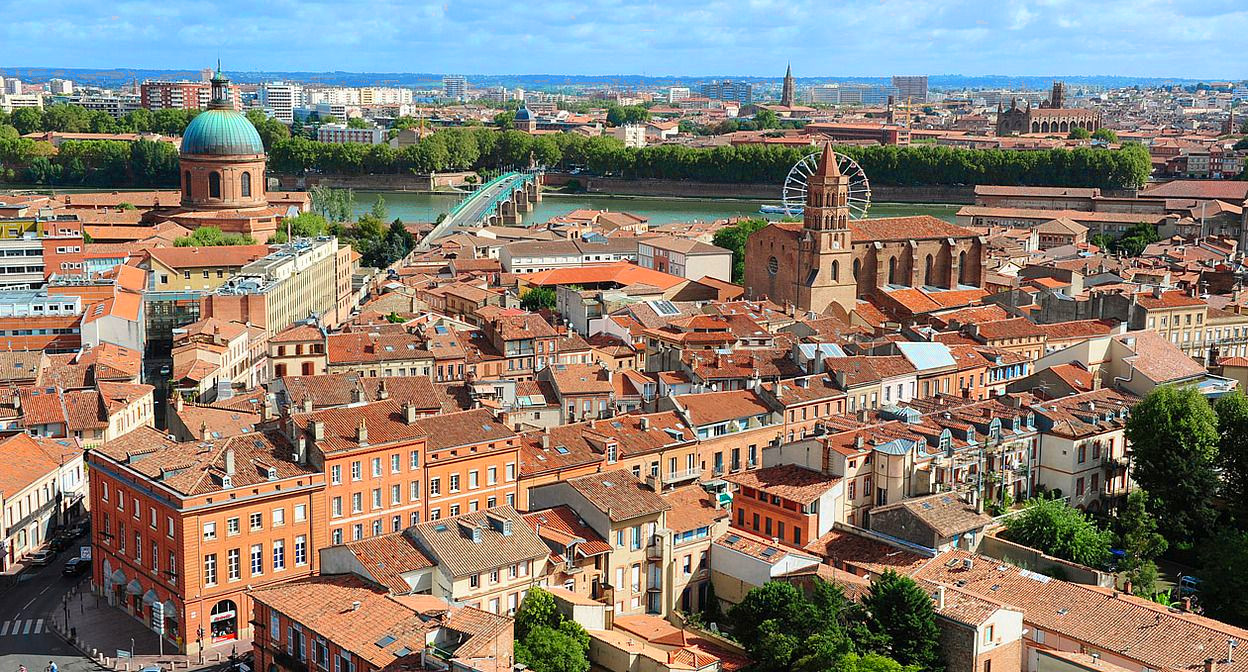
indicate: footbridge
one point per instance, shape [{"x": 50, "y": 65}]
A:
[{"x": 503, "y": 201}]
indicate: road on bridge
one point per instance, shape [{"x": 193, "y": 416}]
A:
[{"x": 479, "y": 205}]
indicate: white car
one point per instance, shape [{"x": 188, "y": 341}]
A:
[{"x": 41, "y": 558}]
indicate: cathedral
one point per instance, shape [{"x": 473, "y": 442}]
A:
[
  {"x": 1051, "y": 117},
  {"x": 830, "y": 259}
]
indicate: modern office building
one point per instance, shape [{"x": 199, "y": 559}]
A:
[
  {"x": 741, "y": 92},
  {"x": 455, "y": 87},
  {"x": 911, "y": 87}
]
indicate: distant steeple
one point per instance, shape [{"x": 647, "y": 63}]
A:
[{"x": 787, "y": 93}]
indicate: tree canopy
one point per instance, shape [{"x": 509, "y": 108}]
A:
[
  {"x": 545, "y": 640},
  {"x": 211, "y": 236},
  {"x": 733, "y": 238},
  {"x": 1060, "y": 530},
  {"x": 903, "y": 615},
  {"x": 1232, "y": 412},
  {"x": 1174, "y": 441}
]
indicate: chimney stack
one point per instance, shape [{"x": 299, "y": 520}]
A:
[
  {"x": 546, "y": 440},
  {"x": 940, "y": 598},
  {"x": 307, "y": 404},
  {"x": 318, "y": 430},
  {"x": 409, "y": 413},
  {"x": 229, "y": 461},
  {"x": 1211, "y": 665},
  {"x": 644, "y": 423},
  {"x": 361, "y": 433}
]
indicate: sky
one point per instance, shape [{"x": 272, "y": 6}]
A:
[{"x": 822, "y": 38}]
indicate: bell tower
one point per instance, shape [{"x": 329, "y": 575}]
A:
[{"x": 825, "y": 253}]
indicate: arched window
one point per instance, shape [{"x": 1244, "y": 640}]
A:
[
  {"x": 892, "y": 270},
  {"x": 214, "y": 184},
  {"x": 857, "y": 267},
  {"x": 927, "y": 270},
  {"x": 244, "y": 184},
  {"x": 836, "y": 271},
  {"x": 224, "y": 621},
  {"x": 186, "y": 183}
]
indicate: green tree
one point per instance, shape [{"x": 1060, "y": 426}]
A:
[
  {"x": 903, "y": 615},
  {"x": 546, "y": 649},
  {"x": 537, "y": 609},
  {"x": 335, "y": 205},
  {"x": 305, "y": 225},
  {"x": 733, "y": 238},
  {"x": 619, "y": 115},
  {"x": 27, "y": 120},
  {"x": 1101, "y": 240},
  {"x": 545, "y": 640},
  {"x": 505, "y": 120},
  {"x": 356, "y": 122},
  {"x": 765, "y": 118},
  {"x": 1174, "y": 441},
  {"x": 1139, "y": 539},
  {"x": 1079, "y": 134},
  {"x": 1232, "y": 412},
  {"x": 379, "y": 209},
  {"x": 1105, "y": 135},
  {"x": 1057, "y": 528},
  {"x": 538, "y": 298},
  {"x": 1224, "y": 576},
  {"x": 211, "y": 236}
]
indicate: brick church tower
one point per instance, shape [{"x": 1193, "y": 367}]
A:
[{"x": 825, "y": 247}]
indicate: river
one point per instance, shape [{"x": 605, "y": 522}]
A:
[{"x": 425, "y": 207}]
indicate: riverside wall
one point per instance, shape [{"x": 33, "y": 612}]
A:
[{"x": 619, "y": 186}]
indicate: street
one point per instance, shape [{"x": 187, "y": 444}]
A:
[{"x": 26, "y": 637}]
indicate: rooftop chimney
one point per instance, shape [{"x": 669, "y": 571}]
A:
[
  {"x": 361, "y": 433},
  {"x": 318, "y": 430},
  {"x": 382, "y": 392},
  {"x": 229, "y": 461},
  {"x": 409, "y": 413},
  {"x": 355, "y": 605},
  {"x": 644, "y": 422},
  {"x": 940, "y": 598},
  {"x": 1211, "y": 665},
  {"x": 546, "y": 440},
  {"x": 307, "y": 404}
]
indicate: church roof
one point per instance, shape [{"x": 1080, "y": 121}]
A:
[{"x": 917, "y": 227}]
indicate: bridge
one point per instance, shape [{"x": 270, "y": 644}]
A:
[{"x": 502, "y": 201}]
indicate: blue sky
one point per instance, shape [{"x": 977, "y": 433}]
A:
[{"x": 823, "y": 38}]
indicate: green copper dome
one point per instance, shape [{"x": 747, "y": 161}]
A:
[{"x": 216, "y": 131}]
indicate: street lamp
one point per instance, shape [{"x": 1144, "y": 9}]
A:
[{"x": 199, "y": 642}]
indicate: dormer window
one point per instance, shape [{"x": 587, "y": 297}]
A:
[
  {"x": 994, "y": 430},
  {"x": 946, "y": 440},
  {"x": 476, "y": 535},
  {"x": 611, "y": 453}
]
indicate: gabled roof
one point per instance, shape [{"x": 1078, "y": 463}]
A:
[
  {"x": 789, "y": 481},
  {"x": 619, "y": 494},
  {"x": 942, "y": 513},
  {"x": 449, "y": 541}
]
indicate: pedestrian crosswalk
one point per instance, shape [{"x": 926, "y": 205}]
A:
[{"x": 29, "y": 626}]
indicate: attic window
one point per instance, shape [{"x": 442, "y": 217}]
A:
[
  {"x": 562, "y": 450},
  {"x": 386, "y": 641},
  {"x": 608, "y": 484},
  {"x": 768, "y": 552},
  {"x": 439, "y": 528}
]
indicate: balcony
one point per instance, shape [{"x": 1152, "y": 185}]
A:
[
  {"x": 680, "y": 476},
  {"x": 1115, "y": 463},
  {"x": 655, "y": 550}
]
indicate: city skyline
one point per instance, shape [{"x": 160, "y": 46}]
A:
[{"x": 718, "y": 39}]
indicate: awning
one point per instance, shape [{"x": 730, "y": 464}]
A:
[
  {"x": 108, "y": 570},
  {"x": 171, "y": 612},
  {"x": 150, "y": 596},
  {"x": 119, "y": 577},
  {"x": 133, "y": 587}
]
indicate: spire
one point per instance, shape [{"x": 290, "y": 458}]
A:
[
  {"x": 827, "y": 162},
  {"x": 788, "y": 71}
]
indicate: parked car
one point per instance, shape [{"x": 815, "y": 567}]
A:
[
  {"x": 76, "y": 567},
  {"x": 41, "y": 558},
  {"x": 1188, "y": 585},
  {"x": 60, "y": 542}
]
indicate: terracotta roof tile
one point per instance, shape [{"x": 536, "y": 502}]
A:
[
  {"x": 788, "y": 481},
  {"x": 619, "y": 494}
]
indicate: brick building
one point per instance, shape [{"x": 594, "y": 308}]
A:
[{"x": 830, "y": 259}]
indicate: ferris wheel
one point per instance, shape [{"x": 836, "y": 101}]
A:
[{"x": 794, "y": 195}]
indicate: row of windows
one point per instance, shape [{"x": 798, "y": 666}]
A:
[
  {"x": 256, "y": 563},
  {"x": 255, "y": 521},
  {"x": 214, "y": 184},
  {"x": 337, "y": 536}
]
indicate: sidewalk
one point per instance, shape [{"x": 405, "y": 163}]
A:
[{"x": 102, "y": 632}]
